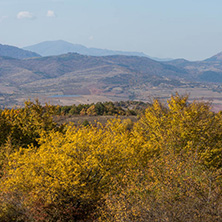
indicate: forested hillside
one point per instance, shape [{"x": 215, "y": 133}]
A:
[{"x": 165, "y": 167}]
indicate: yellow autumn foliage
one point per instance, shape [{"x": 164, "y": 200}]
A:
[
  {"x": 74, "y": 167},
  {"x": 182, "y": 128},
  {"x": 165, "y": 167}
]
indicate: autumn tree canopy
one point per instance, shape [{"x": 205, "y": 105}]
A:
[{"x": 165, "y": 167}]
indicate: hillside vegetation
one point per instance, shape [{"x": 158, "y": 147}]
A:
[
  {"x": 123, "y": 108},
  {"x": 74, "y": 78},
  {"x": 165, "y": 167},
  {"x": 89, "y": 77}
]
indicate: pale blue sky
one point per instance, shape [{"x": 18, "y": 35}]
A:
[{"x": 190, "y": 29}]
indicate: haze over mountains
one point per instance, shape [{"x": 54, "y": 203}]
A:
[
  {"x": 59, "y": 47},
  {"x": 215, "y": 58},
  {"x": 113, "y": 77},
  {"x": 50, "y": 48},
  {"x": 15, "y": 52}
]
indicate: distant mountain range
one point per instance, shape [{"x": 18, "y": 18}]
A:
[
  {"x": 50, "y": 48},
  {"x": 68, "y": 69},
  {"x": 15, "y": 52},
  {"x": 59, "y": 47},
  {"x": 115, "y": 77},
  {"x": 209, "y": 70}
]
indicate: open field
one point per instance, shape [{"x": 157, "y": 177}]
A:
[{"x": 145, "y": 94}]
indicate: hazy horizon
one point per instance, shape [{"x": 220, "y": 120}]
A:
[{"x": 163, "y": 29}]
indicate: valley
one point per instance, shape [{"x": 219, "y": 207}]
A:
[{"x": 73, "y": 78}]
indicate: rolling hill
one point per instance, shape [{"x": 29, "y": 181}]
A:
[
  {"x": 75, "y": 74},
  {"x": 75, "y": 78},
  {"x": 78, "y": 66},
  {"x": 209, "y": 70}
]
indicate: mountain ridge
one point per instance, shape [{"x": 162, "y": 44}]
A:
[
  {"x": 15, "y": 52},
  {"x": 114, "y": 77},
  {"x": 59, "y": 47},
  {"x": 217, "y": 57},
  {"x": 75, "y": 74}
]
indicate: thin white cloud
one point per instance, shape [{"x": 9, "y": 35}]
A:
[
  {"x": 25, "y": 15},
  {"x": 51, "y": 14}
]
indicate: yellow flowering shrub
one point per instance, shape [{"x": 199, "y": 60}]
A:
[
  {"x": 182, "y": 127},
  {"x": 165, "y": 167},
  {"x": 71, "y": 170}
]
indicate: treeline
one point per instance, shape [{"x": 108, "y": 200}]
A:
[
  {"x": 167, "y": 167},
  {"x": 106, "y": 108}
]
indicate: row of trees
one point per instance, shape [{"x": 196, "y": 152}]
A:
[
  {"x": 106, "y": 108},
  {"x": 166, "y": 168}
]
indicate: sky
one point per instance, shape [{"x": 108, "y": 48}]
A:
[{"x": 189, "y": 29}]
